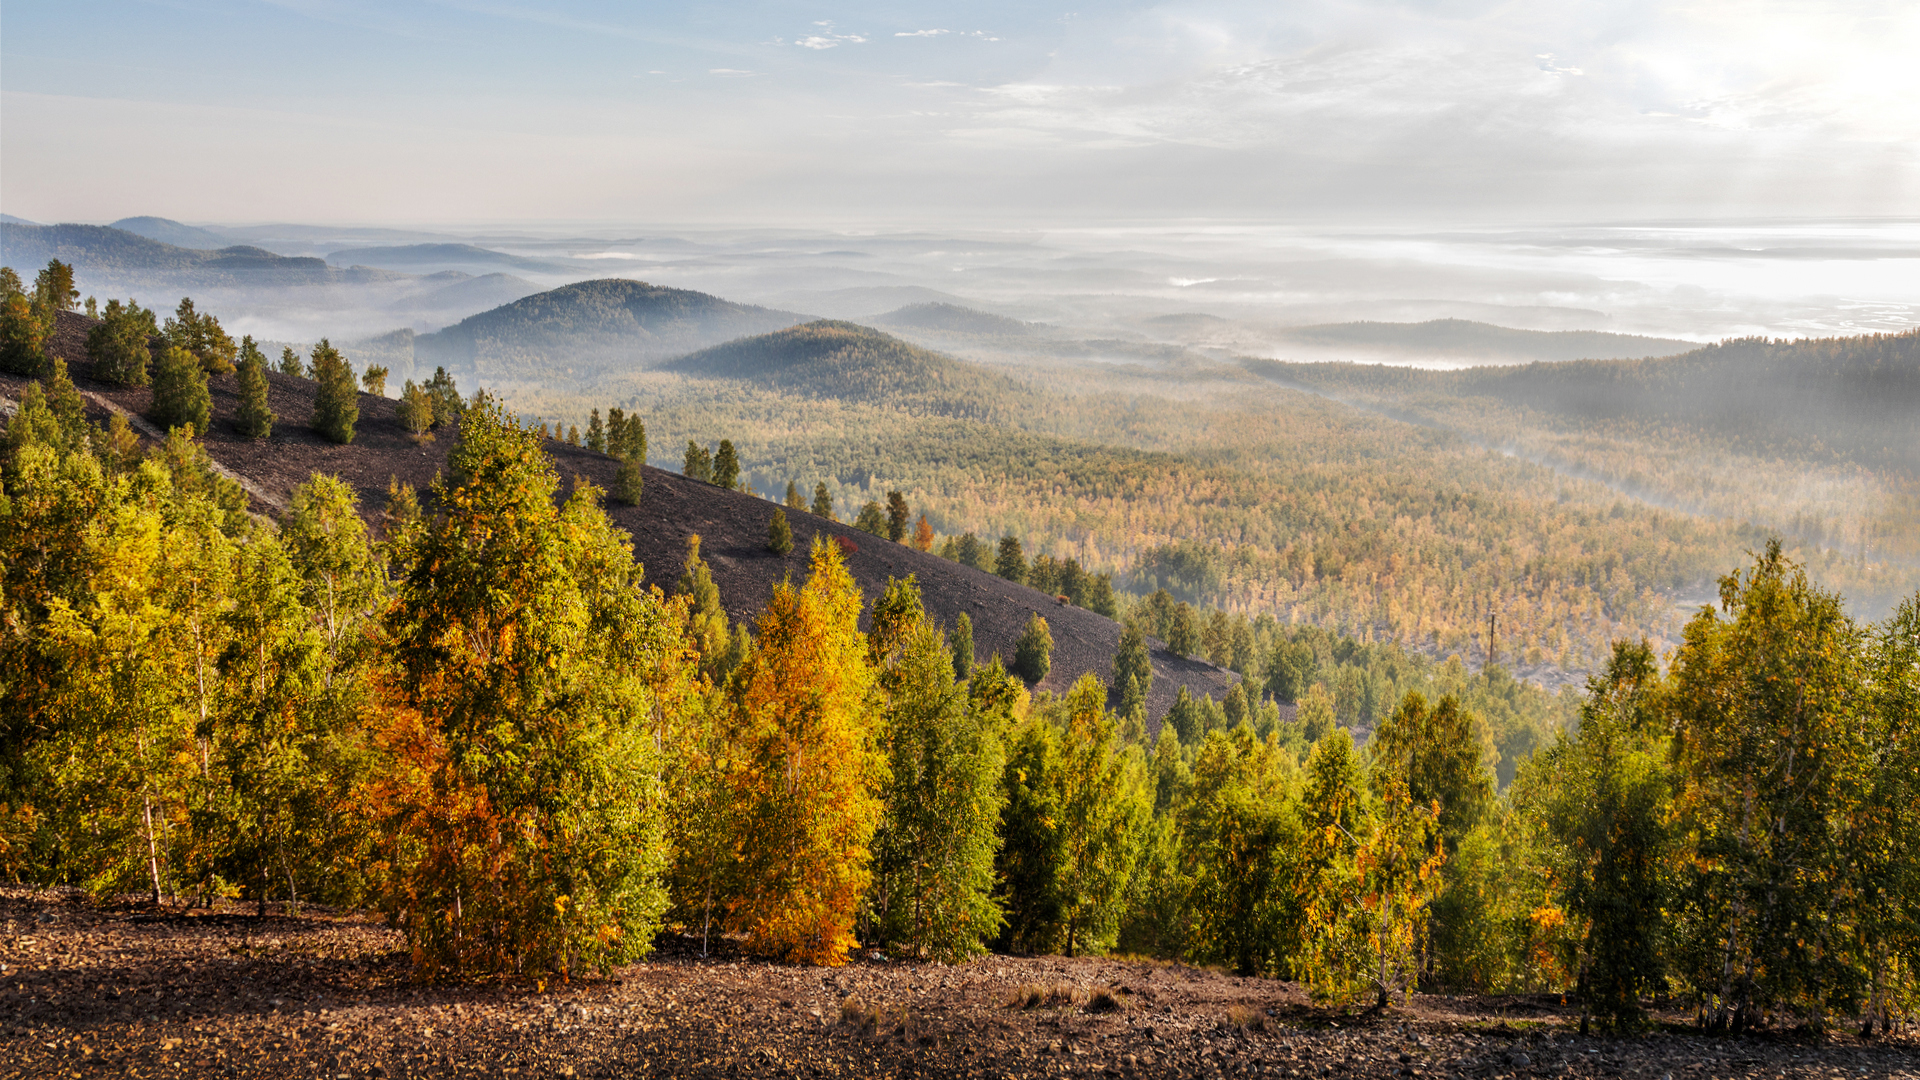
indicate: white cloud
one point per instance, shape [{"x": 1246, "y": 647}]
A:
[
  {"x": 922, "y": 33},
  {"x": 730, "y": 73}
]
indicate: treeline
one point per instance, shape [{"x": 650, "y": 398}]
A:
[{"x": 476, "y": 718}]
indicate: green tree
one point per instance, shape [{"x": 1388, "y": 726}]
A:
[
  {"x": 934, "y": 850},
  {"x": 416, "y": 411},
  {"x": 200, "y": 335},
  {"x": 255, "y": 417},
  {"x": 897, "y": 517},
  {"x": 779, "y": 533},
  {"x": 1607, "y": 812},
  {"x": 1011, "y": 564},
  {"x": 53, "y": 287},
  {"x": 596, "y": 434},
  {"x": 180, "y": 396},
  {"x": 117, "y": 345},
  {"x": 336, "y": 404},
  {"x": 1886, "y": 833},
  {"x": 1033, "y": 653},
  {"x": 628, "y": 482},
  {"x": 707, "y": 626},
  {"x": 1239, "y": 834},
  {"x": 1032, "y": 851},
  {"x": 822, "y": 502},
  {"x": 872, "y": 519},
  {"x": 793, "y": 500},
  {"x": 291, "y": 364},
  {"x": 24, "y": 331},
  {"x": 1183, "y": 635},
  {"x": 374, "y": 380},
  {"x": 523, "y": 806},
  {"x": 962, "y": 642},
  {"x": 447, "y": 403},
  {"x": 1104, "y": 810},
  {"x": 726, "y": 466},
  {"x": 698, "y": 463},
  {"x": 1132, "y": 664},
  {"x": 327, "y": 542}
]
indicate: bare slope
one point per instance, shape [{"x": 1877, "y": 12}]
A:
[{"x": 733, "y": 526}]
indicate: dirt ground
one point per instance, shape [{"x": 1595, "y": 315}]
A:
[{"x": 136, "y": 991}]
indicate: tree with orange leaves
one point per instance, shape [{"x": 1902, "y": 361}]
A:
[
  {"x": 807, "y": 769},
  {"x": 923, "y": 535},
  {"x": 522, "y": 804}
]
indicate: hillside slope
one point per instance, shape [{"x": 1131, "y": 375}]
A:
[
  {"x": 1465, "y": 339},
  {"x": 849, "y": 362},
  {"x": 580, "y": 329},
  {"x": 733, "y": 526}
]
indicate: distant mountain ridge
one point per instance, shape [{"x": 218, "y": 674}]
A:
[
  {"x": 953, "y": 319},
  {"x": 111, "y": 258},
  {"x": 589, "y": 327},
  {"x": 1462, "y": 338},
  {"x": 172, "y": 232},
  {"x": 429, "y": 257}
]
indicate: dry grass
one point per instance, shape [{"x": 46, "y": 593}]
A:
[
  {"x": 1054, "y": 995},
  {"x": 1105, "y": 1000},
  {"x": 1246, "y": 1019}
]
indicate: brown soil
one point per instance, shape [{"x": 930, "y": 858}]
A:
[
  {"x": 136, "y": 991},
  {"x": 732, "y": 525}
]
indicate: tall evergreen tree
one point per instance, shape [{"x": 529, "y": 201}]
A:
[
  {"x": 698, "y": 463},
  {"x": 962, "y": 642},
  {"x": 180, "y": 396},
  {"x": 596, "y": 434},
  {"x": 1183, "y": 636},
  {"x": 255, "y": 417},
  {"x": 336, "y": 404},
  {"x": 793, "y": 501},
  {"x": 872, "y": 519},
  {"x": 1131, "y": 661},
  {"x": 374, "y": 380},
  {"x": 416, "y": 411},
  {"x": 923, "y": 534},
  {"x": 291, "y": 364},
  {"x": 628, "y": 482},
  {"x": 1012, "y": 563},
  {"x": 726, "y": 466},
  {"x": 201, "y": 335},
  {"x": 822, "y": 502},
  {"x": 897, "y": 517},
  {"x": 1104, "y": 810}
]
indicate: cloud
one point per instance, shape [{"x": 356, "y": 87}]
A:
[
  {"x": 921, "y": 33},
  {"x": 827, "y": 39},
  {"x": 730, "y": 73}
]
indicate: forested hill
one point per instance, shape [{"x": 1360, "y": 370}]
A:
[
  {"x": 1464, "y": 339},
  {"x": 1854, "y": 399},
  {"x": 952, "y": 318},
  {"x": 580, "y": 330},
  {"x": 849, "y": 362},
  {"x": 115, "y": 258}
]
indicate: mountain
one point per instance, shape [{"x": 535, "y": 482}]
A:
[
  {"x": 107, "y": 259},
  {"x": 849, "y": 362},
  {"x": 952, "y": 318},
  {"x": 860, "y": 301},
  {"x": 427, "y": 258},
  {"x": 9, "y": 219},
  {"x": 1465, "y": 340},
  {"x": 1853, "y": 398},
  {"x": 172, "y": 232},
  {"x": 590, "y": 326},
  {"x": 732, "y": 525}
]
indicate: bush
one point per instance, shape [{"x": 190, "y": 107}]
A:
[{"x": 1033, "y": 653}]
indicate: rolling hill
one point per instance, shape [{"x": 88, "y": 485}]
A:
[
  {"x": 733, "y": 525},
  {"x": 588, "y": 327},
  {"x": 953, "y": 319},
  {"x": 172, "y": 232},
  {"x": 849, "y": 362},
  {"x": 432, "y": 258},
  {"x": 1463, "y": 339}
]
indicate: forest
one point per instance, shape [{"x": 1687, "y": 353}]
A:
[{"x": 471, "y": 717}]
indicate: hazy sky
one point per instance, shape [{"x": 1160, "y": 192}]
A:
[{"x": 469, "y": 111}]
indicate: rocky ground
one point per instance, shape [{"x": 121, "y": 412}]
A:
[{"x": 137, "y": 991}]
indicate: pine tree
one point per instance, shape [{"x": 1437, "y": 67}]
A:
[
  {"x": 53, "y": 287},
  {"x": 1104, "y": 812},
  {"x": 823, "y": 502},
  {"x": 1183, "y": 636},
  {"x": 923, "y": 535},
  {"x": 573, "y": 435},
  {"x": 336, "y": 405},
  {"x": 872, "y": 519},
  {"x": 596, "y": 434},
  {"x": 374, "y": 380},
  {"x": 897, "y": 517},
  {"x": 779, "y": 533},
  {"x": 726, "y": 467},
  {"x": 23, "y": 334},
  {"x": 254, "y": 418},
  {"x": 628, "y": 482},
  {"x": 415, "y": 411},
  {"x": 117, "y": 345},
  {"x": 697, "y": 464},
  {"x": 793, "y": 501},
  {"x": 962, "y": 642},
  {"x": 200, "y": 335},
  {"x": 1033, "y": 653},
  {"x": 1032, "y": 851},
  {"x": 707, "y": 623},
  {"x": 291, "y": 364},
  {"x": 180, "y": 396},
  {"x": 1011, "y": 564}
]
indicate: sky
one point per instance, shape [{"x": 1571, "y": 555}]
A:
[{"x": 914, "y": 114}]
